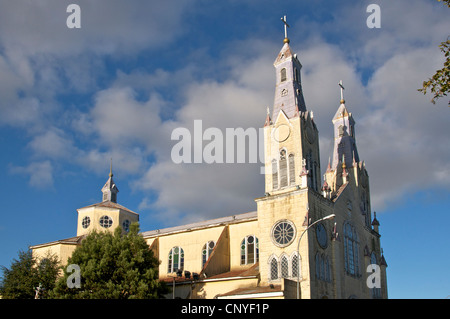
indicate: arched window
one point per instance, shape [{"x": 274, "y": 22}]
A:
[
  {"x": 295, "y": 263},
  {"x": 312, "y": 167},
  {"x": 273, "y": 264},
  {"x": 284, "y": 267},
  {"x": 176, "y": 259},
  {"x": 323, "y": 268},
  {"x": 249, "y": 250},
  {"x": 274, "y": 174},
  {"x": 296, "y": 75},
  {"x": 206, "y": 251},
  {"x": 351, "y": 248},
  {"x": 283, "y": 74},
  {"x": 291, "y": 170},
  {"x": 283, "y": 169}
]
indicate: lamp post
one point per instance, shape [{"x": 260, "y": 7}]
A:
[{"x": 298, "y": 250}]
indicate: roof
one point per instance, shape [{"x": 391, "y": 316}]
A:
[
  {"x": 285, "y": 53},
  {"x": 341, "y": 189},
  {"x": 341, "y": 112},
  {"x": 248, "y": 272},
  {"x": 109, "y": 204},
  {"x": 241, "y": 273},
  {"x": 253, "y": 292},
  {"x": 203, "y": 224},
  {"x": 68, "y": 241}
]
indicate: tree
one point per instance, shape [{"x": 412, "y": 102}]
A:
[
  {"x": 113, "y": 266},
  {"x": 439, "y": 83},
  {"x": 26, "y": 274}
]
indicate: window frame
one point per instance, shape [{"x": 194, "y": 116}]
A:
[
  {"x": 106, "y": 221},
  {"x": 171, "y": 259},
  {"x": 351, "y": 250},
  {"x": 206, "y": 251},
  {"x": 283, "y": 75},
  {"x": 245, "y": 253}
]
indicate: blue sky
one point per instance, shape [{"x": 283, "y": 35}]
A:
[{"x": 71, "y": 99}]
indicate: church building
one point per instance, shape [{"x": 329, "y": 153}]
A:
[{"x": 307, "y": 239}]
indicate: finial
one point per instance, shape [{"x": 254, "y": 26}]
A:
[
  {"x": 342, "y": 92},
  {"x": 268, "y": 111},
  {"x": 110, "y": 169},
  {"x": 286, "y": 39}
]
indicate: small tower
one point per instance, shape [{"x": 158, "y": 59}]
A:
[
  {"x": 106, "y": 215},
  {"x": 110, "y": 189},
  {"x": 344, "y": 135}
]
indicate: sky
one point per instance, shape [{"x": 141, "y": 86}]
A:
[{"x": 72, "y": 99}]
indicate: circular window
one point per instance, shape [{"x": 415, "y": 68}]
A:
[
  {"x": 321, "y": 234},
  {"x": 283, "y": 233},
  {"x": 106, "y": 221},
  {"x": 126, "y": 225},
  {"x": 86, "y": 222}
]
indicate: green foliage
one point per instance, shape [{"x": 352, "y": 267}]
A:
[
  {"x": 27, "y": 273},
  {"x": 113, "y": 266},
  {"x": 439, "y": 83}
]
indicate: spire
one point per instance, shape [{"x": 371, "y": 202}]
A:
[
  {"x": 329, "y": 165},
  {"x": 288, "y": 90},
  {"x": 344, "y": 171},
  {"x": 268, "y": 119},
  {"x": 344, "y": 134},
  {"x": 110, "y": 189},
  {"x": 383, "y": 260}
]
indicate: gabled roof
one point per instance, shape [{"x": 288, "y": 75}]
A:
[{"x": 109, "y": 204}]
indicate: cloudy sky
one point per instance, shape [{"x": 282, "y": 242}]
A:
[{"x": 73, "y": 98}]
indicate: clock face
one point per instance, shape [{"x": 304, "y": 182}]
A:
[
  {"x": 321, "y": 234},
  {"x": 281, "y": 133}
]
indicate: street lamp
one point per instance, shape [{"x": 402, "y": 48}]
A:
[{"x": 298, "y": 250}]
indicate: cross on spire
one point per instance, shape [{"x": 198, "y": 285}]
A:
[
  {"x": 342, "y": 92},
  {"x": 286, "y": 25}
]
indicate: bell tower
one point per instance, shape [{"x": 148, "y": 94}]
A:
[
  {"x": 292, "y": 171},
  {"x": 291, "y": 138}
]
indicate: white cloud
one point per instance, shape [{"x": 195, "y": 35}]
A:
[
  {"x": 400, "y": 135},
  {"x": 107, "y": 26},
  {"x": 40, "y": 173}
]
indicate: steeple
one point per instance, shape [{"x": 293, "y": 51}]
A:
[
  {"x": 344, "y": 135},
  {"x": 288, "y": 90},
  {"x": 110, "y": 189}
]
